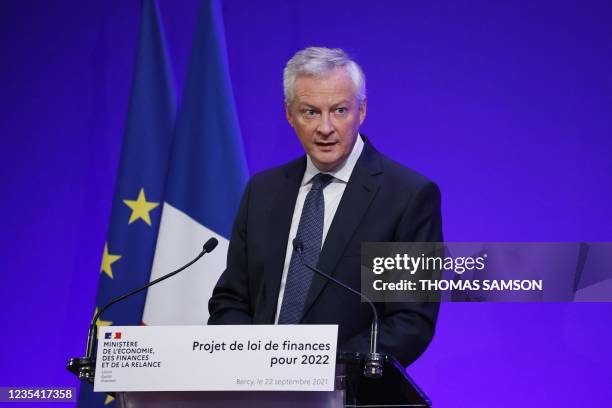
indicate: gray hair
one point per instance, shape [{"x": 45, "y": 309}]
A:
[{"x": 318, "y": 62}]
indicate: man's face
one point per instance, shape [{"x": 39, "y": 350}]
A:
[{"x": 326, "y": 116}]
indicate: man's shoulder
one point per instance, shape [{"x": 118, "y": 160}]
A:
[
  {"x": 406, "y": 188},
  {"x": 279, "y": 174},
  {"x": 374, "y": 161},
  {"x": 396, "y": 173}
]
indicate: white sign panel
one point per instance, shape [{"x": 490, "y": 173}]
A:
[{"x": 216, "y": 358}]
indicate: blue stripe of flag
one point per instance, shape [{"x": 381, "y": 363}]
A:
[{"x": 208, "y": 169}]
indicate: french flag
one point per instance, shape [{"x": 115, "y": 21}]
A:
[{"x": 206, "y": 176}]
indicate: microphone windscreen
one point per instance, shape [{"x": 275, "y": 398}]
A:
[
  {"x": 298, "y": 245},
  {"x": 210, "y": 244}
]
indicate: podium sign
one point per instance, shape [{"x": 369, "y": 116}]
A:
[{"x": 216, "y": 358}]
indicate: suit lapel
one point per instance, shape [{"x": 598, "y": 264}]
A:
[
  {"x": 359, "y": 193},
  {"x": 281, "y": 214}
]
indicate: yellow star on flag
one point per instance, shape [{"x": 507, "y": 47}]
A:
[
  {"x": 140, "y": 208},
  {"x": 107, "y": 261},
  {"x": 108, "y": 400}
]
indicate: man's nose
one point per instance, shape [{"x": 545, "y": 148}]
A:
[{"x": 325, "y": 127}]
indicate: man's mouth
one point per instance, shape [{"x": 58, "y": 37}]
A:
[{"x": 324, "y": 144}]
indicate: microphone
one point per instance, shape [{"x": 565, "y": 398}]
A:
[
  {"x": 85, "y": 366},
  {"x": 373, "y": 367}
]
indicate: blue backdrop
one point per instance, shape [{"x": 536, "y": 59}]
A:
[{"x": 505, "y": 104}]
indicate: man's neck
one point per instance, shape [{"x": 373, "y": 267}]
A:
[{"x": 342, "y": 171}]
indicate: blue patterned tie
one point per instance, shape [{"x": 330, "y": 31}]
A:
[{"x": 310, "y": 233}]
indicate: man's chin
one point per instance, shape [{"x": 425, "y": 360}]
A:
[{"x": 327, "y": 163}]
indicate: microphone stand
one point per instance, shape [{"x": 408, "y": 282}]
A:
[
  {"x": 373, "y": 367},
  {"x": 84, "y": 367}
]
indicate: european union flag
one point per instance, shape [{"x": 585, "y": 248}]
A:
[{"x": 136, "y": 210}]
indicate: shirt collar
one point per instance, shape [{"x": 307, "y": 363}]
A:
[{"x": 343, "y": 173}]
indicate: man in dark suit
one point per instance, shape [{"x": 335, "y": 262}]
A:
[{"x": 342, "y": 193}]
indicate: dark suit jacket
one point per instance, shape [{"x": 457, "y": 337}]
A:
[{"x": 383, "y": 201}]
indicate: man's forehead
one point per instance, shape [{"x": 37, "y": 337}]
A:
[
  {"x": 332, "y": 88},
  {"x": 335, "y": 79}
]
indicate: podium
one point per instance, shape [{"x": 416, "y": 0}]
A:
[
  {"x": 351, "y": 389},
  {"x": 233, "y": 366}
]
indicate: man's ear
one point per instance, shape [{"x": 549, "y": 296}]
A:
[
  {"x": 362, "y": 110},
  {"x": 288, "y": 114}
]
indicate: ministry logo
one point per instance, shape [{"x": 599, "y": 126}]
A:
[{"x": 112, "y": 336}]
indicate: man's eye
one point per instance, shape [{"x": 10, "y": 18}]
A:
[
  {"x": 310, "y": 112},
  {"x": 341, "y": 110}
]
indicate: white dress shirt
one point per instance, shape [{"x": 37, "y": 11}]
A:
[{"x": 331, "y": 194}]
